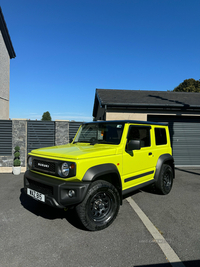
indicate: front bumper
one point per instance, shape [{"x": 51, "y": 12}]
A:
[{"x": 55, "y": 191}]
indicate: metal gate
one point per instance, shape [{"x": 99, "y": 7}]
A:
[
  {"x": 40, "y": 134},
  {"x": 185, "y": 138},
  {"x": 73, "y": 128},
  {"x": 5, "y": 138}
]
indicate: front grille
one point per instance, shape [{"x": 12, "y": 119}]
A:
[
  {"x": 42, "y": 188},
  {"x": 44, "y": 166}
]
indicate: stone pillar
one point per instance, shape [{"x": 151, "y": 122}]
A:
[
  {"x": 61, "y": 132},
  {"x": 19, "y": 138}
]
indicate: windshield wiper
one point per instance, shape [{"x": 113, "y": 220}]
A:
[
  {"x": 75, "y": 142},
  {"x": 91, "y": 142},
  {"x": 94, "y": 141}
]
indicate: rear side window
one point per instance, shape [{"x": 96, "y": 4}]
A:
[{"x": 161, "y": 138}]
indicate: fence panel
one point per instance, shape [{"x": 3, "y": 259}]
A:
[
  {"x": 40, "y": 134},
  {"x": 5, "y": 138}
]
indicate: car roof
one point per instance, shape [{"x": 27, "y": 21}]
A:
[{"x": 129, "y": 121}]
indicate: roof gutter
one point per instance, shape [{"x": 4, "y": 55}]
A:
[{"x": 147, "y": 105}]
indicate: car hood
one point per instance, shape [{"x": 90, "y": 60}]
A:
[{"x": 75, "y": 151}]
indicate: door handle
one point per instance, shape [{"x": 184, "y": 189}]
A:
[{"x": 150, "y": 153}]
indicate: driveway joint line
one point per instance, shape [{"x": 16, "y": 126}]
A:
[{"x": 170, "y": 254}]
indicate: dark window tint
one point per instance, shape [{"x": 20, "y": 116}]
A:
[
  {"x": 141, "y": 133},
  {"x": 161, "y": 138}
]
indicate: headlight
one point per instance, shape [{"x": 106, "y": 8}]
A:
[
  {"x": 30, "y": 162},
  {"x": 65, "y": 169}
]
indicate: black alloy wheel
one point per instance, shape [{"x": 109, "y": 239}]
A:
[
  {"x": 100, "y": 206},
  {"x": 165, "y": 181}
]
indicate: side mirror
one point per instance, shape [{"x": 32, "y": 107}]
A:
[{"x": 134, "y": 145}]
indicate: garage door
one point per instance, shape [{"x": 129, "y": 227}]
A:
[{"x": 185, "y": 138}]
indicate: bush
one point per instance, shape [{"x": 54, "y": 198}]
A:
[
  {"x": 17, "y": 162},
  {"x": 17, "y": 154},
  {"x": 17, "y": 148}
]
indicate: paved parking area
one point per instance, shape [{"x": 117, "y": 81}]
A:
[{"x": 33, "y": 234}]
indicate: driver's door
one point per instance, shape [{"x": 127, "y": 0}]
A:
[{"x": 138, "y": 165}]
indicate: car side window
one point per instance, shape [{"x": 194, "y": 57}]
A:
[
  {"x": 160, "y": 135},
  {"x": 141, "y": 133}
]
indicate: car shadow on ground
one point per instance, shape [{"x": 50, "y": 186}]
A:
[
  {"x": 191, "y": 171},
  {"x": 48, "y": 212},
  {"x": 151, "y": 189},
  {"x": 192, "y": 263}
]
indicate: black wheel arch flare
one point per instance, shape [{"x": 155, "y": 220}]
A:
[
  {"x": 107, "y": 172},
  {"x": 164, "y": 159}
]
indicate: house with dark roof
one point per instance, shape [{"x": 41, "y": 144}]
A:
[
  {"x": 6, "y": 53},
  {"x": 179, "y": 109}
]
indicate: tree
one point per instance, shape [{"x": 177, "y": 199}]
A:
[
  {"x": 188, "y": 85},
  {"x": 46, "y": 116}
]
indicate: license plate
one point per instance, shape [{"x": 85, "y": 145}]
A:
[{"x": 35, "y": 194}]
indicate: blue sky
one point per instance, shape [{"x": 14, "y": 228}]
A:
[{"x": 65, "y": 49}]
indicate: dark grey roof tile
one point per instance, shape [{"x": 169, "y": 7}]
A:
[{"x": 140, "y": 97}]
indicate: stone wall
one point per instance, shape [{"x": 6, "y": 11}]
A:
[
  {"x": 61, "y": 132},
  {"x": 6, "y": 161}
]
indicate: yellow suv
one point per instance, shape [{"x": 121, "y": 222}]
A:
[{"x": 106, "y": 161}]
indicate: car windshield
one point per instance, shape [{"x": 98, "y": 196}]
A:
[{"x": 106, "y": 133}]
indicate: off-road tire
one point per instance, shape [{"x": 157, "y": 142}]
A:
[
  {"x": 100, "y": 206},
  {"x": 165, "y": 181}
]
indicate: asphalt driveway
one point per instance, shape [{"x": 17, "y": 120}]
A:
[{"x": 33, "y": 234}]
